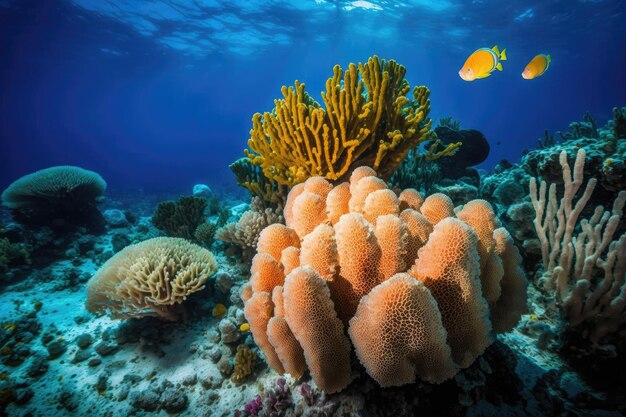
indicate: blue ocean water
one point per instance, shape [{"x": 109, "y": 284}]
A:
[
  {"x": 159, "y": 94},
  {"x": 479, "y": 296}
]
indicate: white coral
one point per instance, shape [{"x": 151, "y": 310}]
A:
[{"x": 586, "y": 270}]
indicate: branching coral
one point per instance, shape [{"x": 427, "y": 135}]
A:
[
  {"x": 585, "y": 269},
  {"x": 367, "y": 120},
  {"x": 150, "y": 278},
  {"x": 180, "y": 218},
  {"x": 342, "y": 260}
]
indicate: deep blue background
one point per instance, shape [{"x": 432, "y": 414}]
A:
[{"x": 84, "y": 89}]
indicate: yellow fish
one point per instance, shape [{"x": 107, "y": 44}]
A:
[
  {"x": 219, "y": 310},
  {"x": 536, "y": 67},
  {"x": 244, "y": 327},
  {"x": 482, "y": 63}
]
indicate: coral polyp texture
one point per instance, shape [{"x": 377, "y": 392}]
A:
[
  {"x": 584, "y": 261},
  {"x": 367, "y": 119},
  {"x": 53, "y": 183},
  {"x": 150, "y": 278},
  {"x": 418, "y": 291}
]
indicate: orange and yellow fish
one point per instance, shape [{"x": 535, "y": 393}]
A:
[
  {"x": 537, "y": 66},
  {"x": 482, "y": 63}
]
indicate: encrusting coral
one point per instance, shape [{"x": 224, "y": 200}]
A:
[
  {"x": 419, "y": 291},
  {"x": 150, "y": 278},
  {"x": 585, "y": 268},
  {"x": 367, "y": 120}
]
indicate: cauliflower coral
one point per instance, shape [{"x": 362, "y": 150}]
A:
[{"x": 417, "y": 291}]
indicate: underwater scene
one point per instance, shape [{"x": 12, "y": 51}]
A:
[{"x": 312, "y": 208}]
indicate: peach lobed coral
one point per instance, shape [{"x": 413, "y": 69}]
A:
[{"x": 417, "y": 291}]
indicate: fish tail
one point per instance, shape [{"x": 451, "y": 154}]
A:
[
  {"x": 548, "y": 58},
  {"x": 503, "y": 55}
]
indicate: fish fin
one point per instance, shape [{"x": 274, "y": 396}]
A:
[
  {"x": 503, "y": 55},
  {"x": 499, "y": 67},
  {"x": 496, "y": 50},
  {"x": 548, "y": 58},
  {"x": 485, "y": 76}
]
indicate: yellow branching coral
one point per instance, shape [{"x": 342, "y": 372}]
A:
[{"x": 367, "y": 120}]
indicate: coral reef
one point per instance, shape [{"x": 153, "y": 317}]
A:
[
  {"x": 419, "y": 171},
  {"x": 61, "y": 197},
  {"x": 586, "y": 128},
  {"x": 150, "y": 278},
  {"x": 274, "y": 403},
  {"x": 360, "y": 256},
  {"x": 585, "y": 270},
  {"x": 12, "y": 254},
  {"x": 605, "y": 161},
  {"x": 382, "y": 288},
  {"x": 251, "y": 177},
  {"x": 416, "y": 171},
  {"x": 180, "y": 218},
  {"x": 547, "y": 141},
  {"x": 367, "y": 120},
  {"x": 506, "y": 187},
  {"x": 205, "y": 233},
  {"x": 619, "y": 123},
  {"x": 245, "y": 232}
]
